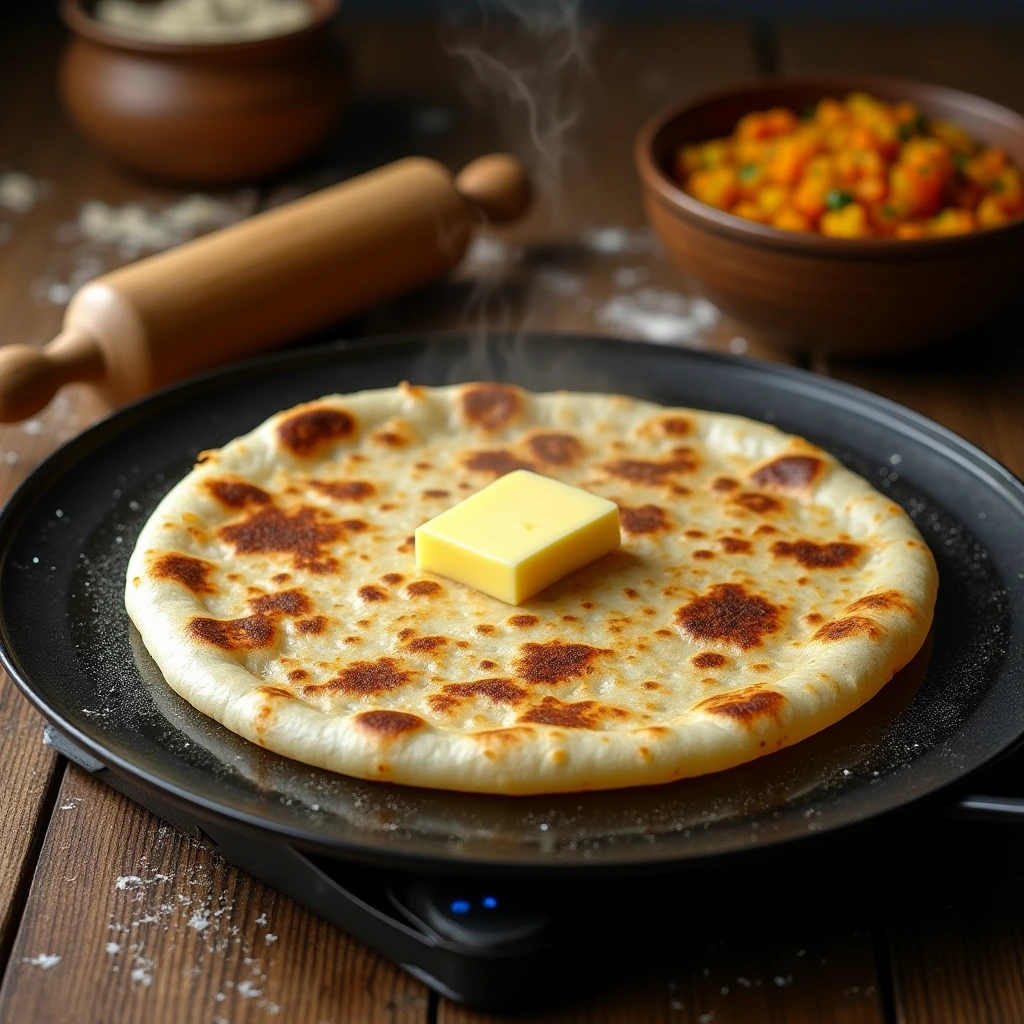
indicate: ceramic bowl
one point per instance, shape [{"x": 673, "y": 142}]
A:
[
  {"x": 806, "y": 291},
  {"x": 204, "y": 113}
]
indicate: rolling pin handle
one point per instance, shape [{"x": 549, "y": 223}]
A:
[
  {"x": 30, "y": 377},
  {"x": 497, "y": 185}
]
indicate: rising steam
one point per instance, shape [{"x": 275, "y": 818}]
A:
[
  {"x": 526, "y": 65},
  {"x": 527, "y": 61}
]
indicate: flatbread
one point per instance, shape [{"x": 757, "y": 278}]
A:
[{"x": 762, "y": 592}]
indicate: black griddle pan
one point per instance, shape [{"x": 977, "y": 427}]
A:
[{"x": 65, "y": 638}]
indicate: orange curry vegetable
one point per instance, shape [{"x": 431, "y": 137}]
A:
[{"x": 857, "y": 168}]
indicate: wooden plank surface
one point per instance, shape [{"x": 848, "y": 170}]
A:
[
  {"x": 954, "y": 933},
  {"x": 585, "y": 265},
  {"x": 150, "y": 927}
]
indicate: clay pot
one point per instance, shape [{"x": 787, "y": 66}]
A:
[
  {"x": 204, "y": 113},
  {"x": 807, "y": 291}
]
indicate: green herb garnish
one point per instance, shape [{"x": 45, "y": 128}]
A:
[
  {"x": 836, "y": 199},
  {"x": 905, "y": 131},
  {"x": 959, "y": 161},
  {"x": 921, "y": 123},
  {"x": 747, "y": 172},
  {"x": 888, "y": 211},
  {"x": 996, "y": 186}
]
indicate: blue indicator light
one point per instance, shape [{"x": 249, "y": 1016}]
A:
[
  {"x": 489, "y": 902},
  {"x": 460, "y": 906}
]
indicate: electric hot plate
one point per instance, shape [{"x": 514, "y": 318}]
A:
[{"x": 478, "y": 895}]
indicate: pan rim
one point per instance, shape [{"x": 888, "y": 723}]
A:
[{"x": 863, "y": 403}]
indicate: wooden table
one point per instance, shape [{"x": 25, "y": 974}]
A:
[{"x": 925, "y": 928}]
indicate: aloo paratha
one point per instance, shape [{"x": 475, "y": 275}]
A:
[{"x": 762, "y": 592}]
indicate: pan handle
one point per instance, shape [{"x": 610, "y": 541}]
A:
[{"x": 978, "y": 807}]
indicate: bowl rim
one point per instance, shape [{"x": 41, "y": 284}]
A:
[
  {"x": 659, "y": 184},
  {"x": 81, "y": 22}
]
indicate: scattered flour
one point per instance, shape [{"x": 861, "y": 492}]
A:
[
  {"x": 200, "y": 920},
  {"x": 561, "y": 282},
  {"x": 630, "y": 277},
  {"x": 269, "y": 938},
  {"x": 33, "y": 427},
  {"x": 660, "y": 316},
  {"x": 18, "y": 192},
  {"x": 44, "y": 960},
  {"x": 205, "y": 21},
  {"x": 248, "y": 990},
  {"x": 142, "y": 973},
  {"x": 738, "y": 345},
  {"x": 128, "y": 882},
  {"x": 113, "y": 947},
  {"x": 134, "y": 229},
  {"x": 615, "y": 241}
]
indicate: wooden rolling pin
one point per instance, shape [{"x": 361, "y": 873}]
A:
[{"x": 264, "y": 281}]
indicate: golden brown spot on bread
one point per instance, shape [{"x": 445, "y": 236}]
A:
[
  {"x": 555, "y": 449},
  {"x": 766, "y": 528},
  {"x": 423, "y": 588},
  {"x": 364, "y": 677},
  {"x": 759, "y": 503},
  {"x": 845, "y": 628},
  {"x": 643, "y": 518},
  {"x": 497, "y": 462},
  {"x": 485, "y": 628},
  {"x": 391, "y": 578},
  {"x": 372, "y": 593},
  {"x": 426, "y": 643},
  {"x": 436, "y": 494},
  {"x": 728, "y": 614},
  {"x": 745, "y": 706},
  {"x": 675, "y": 426},
  {"x": 551, "y": 711},
  {"x": 296, "y": 675},
  {"x": 313, "y": 626},
  {"x": 646, "y": 471},
  {"x": 491, "y": 406},
  {"x": 487, "y": 664},
  {"x": 817, "y": 556},
  {"x": 308, "y": 432},
  {"x": 791, "y": 472},
  {"x": 355, "y": 525},
  {"x": 709, "y": 659},
  {"x": 703, "y": 554},
  {"x": 694, "y": 534},
  {"x": 523, "y": 621},
  {"x": 344, "y": 490},
  {"x": 274, "y": 691},
  {"x": 555, "y": 661},
  {"x": 279, "y": 578},
  {"x": 285, "y": 602},
  {"x": 388, "y": 724},
  {"x": 760, "y": 667},
  {"x": 721, "y": 484},
  {"x": 237, "y": 493},
  {"x": 813, "y": 618},
  {"x": 884, "y": 601},
  {"x": 735, "y": 546},
  {"x": 252, "y": 633},
  {"x": 301, "y": 534},
  {"x": 191, "y": 573},
  {"x": 391, "y": 439},
  {"x": 497, "y": 691}
]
